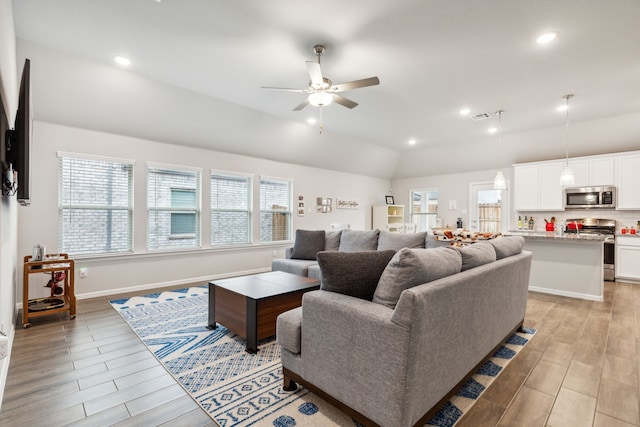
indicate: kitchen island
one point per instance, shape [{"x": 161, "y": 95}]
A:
[{"x": 565, "y": 264}]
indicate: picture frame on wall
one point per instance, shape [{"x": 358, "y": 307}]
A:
[{"x": 389, "y": 200}]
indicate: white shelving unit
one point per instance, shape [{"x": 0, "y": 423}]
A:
[{"x": 387, "y": 215}]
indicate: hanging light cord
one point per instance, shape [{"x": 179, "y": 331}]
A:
[
  {"x": 499, "y": 138},
  {"x": 566, "y": 130}
]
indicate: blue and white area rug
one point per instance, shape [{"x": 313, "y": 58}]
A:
[{"x": 241, "y": 389}]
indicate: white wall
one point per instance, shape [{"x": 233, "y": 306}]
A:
[
  {"x": 451, "y": 187},
  {"x": 39, "y": 222},
  {"x": 8, "y": 205}
]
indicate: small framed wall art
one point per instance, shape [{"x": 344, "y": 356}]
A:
[{"x": 389, "y": 200}]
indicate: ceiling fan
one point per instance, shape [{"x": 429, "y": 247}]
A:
[{"x": 322, "y": 91}]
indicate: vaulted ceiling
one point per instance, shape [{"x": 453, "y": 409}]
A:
[{"x": 209, "y": 60}]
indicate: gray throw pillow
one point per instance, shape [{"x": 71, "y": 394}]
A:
[
  {"x": 413, "y": 267},
  {"x": 359, "y": 240},
  {"x": 307, "y": 244},
  {"x": 507, "y": 246},
  {"x": 397, "y": 241},
  {"x": 332, "y": 240},
  {"x": 476, "y": 255},
  {"x": 352, "y": 273}
]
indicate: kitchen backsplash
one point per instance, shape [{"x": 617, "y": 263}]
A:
[{"x": 623, "y": 218}]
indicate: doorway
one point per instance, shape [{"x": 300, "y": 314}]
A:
[{"x": 488, "y": 208}]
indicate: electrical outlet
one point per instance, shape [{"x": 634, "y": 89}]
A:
[{"x": 84, "y": 272}]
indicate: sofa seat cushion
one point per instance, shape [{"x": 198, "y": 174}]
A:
[
  {"x": 507, "y": 246},
  {"x": 359, "y": 240},
  {"x": 307, "y": 244},
  {"x": 289, "y": 329},
  {"x": 413, "y": 267},
  {"x": 396, "y": 241},
  {"x": 352, "y": 273},
  {"x": 293, "y": 266},
  {"x": 314, "y": 272},
  {"x": 476, "y": 255}
]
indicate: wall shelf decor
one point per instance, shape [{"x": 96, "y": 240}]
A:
[
  {"x": 324, "y": 204},
  {"x": 346, "y": 204}
]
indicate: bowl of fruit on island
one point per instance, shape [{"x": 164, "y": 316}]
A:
[{"x": 551, "y": 224}]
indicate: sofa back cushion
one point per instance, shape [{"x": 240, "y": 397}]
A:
[
  {"x": 476, "y": 255},
  {"x": 359, "y": 240},
  {"x": 413, "y": 267},
  {"x": 396, "y": 241},
  {"x": 507, "y": 246},
  {"x": 307, "y": 244},
  {"x": 352, "y": 273},
  {"x": 332, "y": 240}
]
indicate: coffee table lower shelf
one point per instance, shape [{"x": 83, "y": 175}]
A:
[{"x": 249, "y": 305}]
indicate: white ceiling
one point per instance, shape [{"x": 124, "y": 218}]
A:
[{"x": 432, "y": 57}]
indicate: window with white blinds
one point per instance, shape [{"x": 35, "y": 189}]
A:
[
  {"x": 95, "y": 204},
  {"x": 173, "y": 207},
  {"x": 424, "y": 209},
  {"x": 230, "y": 209},
  {"x": 275, "y": 209}
]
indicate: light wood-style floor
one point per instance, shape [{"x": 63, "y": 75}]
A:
[{"x": 580, "y": 369}]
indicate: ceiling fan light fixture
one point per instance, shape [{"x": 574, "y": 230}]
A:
[{"x": 320, "y": 99}]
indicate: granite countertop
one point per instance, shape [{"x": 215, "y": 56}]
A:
[{"x": 550, "y": 235}]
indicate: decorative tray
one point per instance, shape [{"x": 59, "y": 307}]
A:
[{"x": 41, "y": 304}]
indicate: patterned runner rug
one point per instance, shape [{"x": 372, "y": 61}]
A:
[{"x": 240, "y": 389}]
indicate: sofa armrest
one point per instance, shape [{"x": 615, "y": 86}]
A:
[
  {"x": 287, "y": 252},
  {"x": 355, "y": 338}
]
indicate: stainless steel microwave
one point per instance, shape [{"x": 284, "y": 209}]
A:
[{"x": 590, "y": 198}]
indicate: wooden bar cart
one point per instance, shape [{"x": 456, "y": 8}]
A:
[{"x": 53, "y": 264}]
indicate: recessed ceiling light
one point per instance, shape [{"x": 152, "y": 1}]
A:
[
  {"x": 122, "y": 60},
  {"x": 546, "y": 37},
  {"x": 412, "y": 142},
  {"x": 311, "y": 121},
  {"x": 465, "y": 111},
  {"x": 492, "y": 130}
]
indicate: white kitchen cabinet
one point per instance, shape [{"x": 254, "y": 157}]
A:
[
  {"x": 628, "y": 181},
  {"x": 580, "y": 170},
  {"x": 536, "y": 186},
  {"x": 601, "y": 171},
  {"x": 593, "y": 171},
  {"x": 387, "y": 217},
  {"x": 628, "y": 258}
]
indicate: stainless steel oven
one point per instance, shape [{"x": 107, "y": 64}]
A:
[{"x": 610, "y": 259}]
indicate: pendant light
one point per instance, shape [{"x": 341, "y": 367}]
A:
[
  {"x": 566, "y": 176},
  {"x": 499, "y": 183}
]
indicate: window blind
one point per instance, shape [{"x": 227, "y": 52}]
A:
[
  {"x": 275, "y": 209},
  {"x": 95, "y": 204},
  {"x": 173, "y": 208},
  {"x": 230, "y": 209}
]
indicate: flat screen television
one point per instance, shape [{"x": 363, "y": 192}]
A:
[{"x": 20, "y": 140}]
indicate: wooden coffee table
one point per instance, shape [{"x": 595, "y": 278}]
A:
[{"x": 249, "y": 305}]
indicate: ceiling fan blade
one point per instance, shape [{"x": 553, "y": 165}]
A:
[
  {"x": 315, "y": 73},
  {"x": 344, "y": 101},
  {"x": 302, "y": 105},
  {"x": 286, "y": 89},
  {"x": 371, "y": 81}
]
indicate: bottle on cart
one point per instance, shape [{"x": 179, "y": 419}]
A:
[
  {"x": 526, "y": 223},
  {"x": 519, "y": 222},
  {"x": 459, "y": 223},
  {"x": 531, "y": 225}
]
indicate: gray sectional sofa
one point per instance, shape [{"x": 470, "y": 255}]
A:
[
  {"x": 392, "y": 334},
  {"x": 301, "y": 258}
]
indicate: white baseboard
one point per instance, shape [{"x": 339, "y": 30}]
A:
[
  {"x": 567, "y": 293},
  {"x": 5, "y": 363},
  {"x": 190, "y": 280}
]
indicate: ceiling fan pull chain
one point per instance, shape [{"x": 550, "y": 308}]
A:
[{"x": 321, "y": 120}]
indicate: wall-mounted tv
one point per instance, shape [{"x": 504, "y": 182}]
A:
[{"x": 19, "y": 144}]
